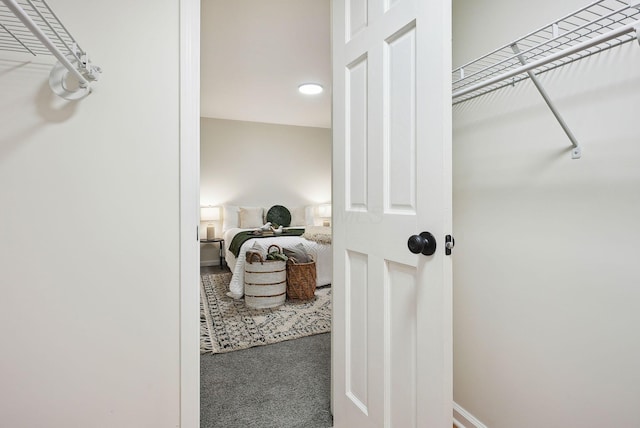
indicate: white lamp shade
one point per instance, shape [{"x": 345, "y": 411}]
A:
[
  {"x": 324, "y": 211},
  {"x": 209, "y": 213}
]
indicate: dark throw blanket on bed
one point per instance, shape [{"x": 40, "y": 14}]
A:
[{"x": 243, "y": 237}]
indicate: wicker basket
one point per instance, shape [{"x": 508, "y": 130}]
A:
[
  {"x": 265, "y": 281},
  {"x": 301, "y": 279}
]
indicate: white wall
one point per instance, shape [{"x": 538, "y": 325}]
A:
[
  {"x": 546, "y": 268},
  {"x": 260, "y": 164},
  {"x": 250, "y": 163},
  {"x": 89, "y": 228}
]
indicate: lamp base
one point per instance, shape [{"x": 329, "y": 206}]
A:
[{"x": 211, "y": 232}]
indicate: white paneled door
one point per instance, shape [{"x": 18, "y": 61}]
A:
[{"x": 392, "y": 357}]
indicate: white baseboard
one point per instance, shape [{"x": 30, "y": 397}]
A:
[
  {"x": 215, "y": 262},
  {"x": 464, "y": 419}
]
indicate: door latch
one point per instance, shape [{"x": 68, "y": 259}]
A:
[{"x": 449, "y": 243}]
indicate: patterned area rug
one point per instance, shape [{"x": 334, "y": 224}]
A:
[{"x": 228, "y": 325}]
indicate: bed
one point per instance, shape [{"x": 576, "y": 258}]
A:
[{"x": 320, "y": 249}]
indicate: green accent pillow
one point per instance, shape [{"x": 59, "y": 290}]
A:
[{"x": 279, "y": 215}]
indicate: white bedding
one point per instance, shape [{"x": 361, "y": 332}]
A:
[{"x": 321, "y": 253}]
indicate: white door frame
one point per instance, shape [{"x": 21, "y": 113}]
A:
[{"x": 189, "y": 213}]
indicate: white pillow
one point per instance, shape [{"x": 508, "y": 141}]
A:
[
  {"x": 230, "y": 218},
  {"x": 298, "y": 217},
  {"x": 251, "y": 217}
]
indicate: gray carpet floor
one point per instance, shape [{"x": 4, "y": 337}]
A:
[{"x": 284, "y": 385}]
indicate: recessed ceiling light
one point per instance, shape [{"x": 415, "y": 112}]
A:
[{"x": 310, "y": 88}]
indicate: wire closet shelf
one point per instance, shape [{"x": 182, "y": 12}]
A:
[
  {"x": 599, "y": 26},
  {"x": 31, "y": 26}
]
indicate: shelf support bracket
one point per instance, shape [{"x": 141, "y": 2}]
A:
[
  {"x": 576, "y": 152},
  {"x": 73, "y": 62}
]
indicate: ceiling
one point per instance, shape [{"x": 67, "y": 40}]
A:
[{"x": 255, "y": 53}]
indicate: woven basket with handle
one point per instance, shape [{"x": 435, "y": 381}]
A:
[
  {"x": 265, "y": 281},
  {"x": 301, "y": 279}
]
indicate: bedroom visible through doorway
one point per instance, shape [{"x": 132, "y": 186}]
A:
[{"x": 265, "y": 180}]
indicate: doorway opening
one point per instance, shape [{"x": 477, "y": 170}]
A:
[{"x": 265, "y": 150}]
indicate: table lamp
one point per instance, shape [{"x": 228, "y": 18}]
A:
[
  {"x": 324, "y": 212},
  {"x": 210, "y": 214}
]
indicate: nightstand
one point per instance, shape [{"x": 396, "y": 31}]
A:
[{"x": 220, "y": 242}]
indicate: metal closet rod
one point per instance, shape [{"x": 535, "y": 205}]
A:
[
  {"x": 553, "y": 57},
  {"x": 556, "y": 35},
  {"x": 33, "y": 27},
  {"x": 524, "y": 37}
]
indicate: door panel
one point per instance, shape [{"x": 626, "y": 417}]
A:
[
  {"x": 400, "y": 132},
  {"x": 356, "y": 141},
  {"x": 392, "y": 179},
  {"x": 357, "y": 322},
  {"x": 357, "y": 17},
  {"x": 401, "y": 288}
]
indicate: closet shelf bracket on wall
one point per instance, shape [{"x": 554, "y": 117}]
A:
[
  {"x": 599, "y": 26},
  {"x": 576, "y": 152},
  {"x": 47, "y": 35}
]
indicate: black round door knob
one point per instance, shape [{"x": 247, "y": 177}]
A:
[{"x": 424, "y": 243}]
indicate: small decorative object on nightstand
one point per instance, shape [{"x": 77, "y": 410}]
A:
[{"x": 220, "y": 241}]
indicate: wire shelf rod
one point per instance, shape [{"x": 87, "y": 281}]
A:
[
  {"x": 57, "y": 21},
  {"x": 588, "y": 22},
  {"x": 544, "y": 69},
  {"x": 594, "y": 28},
  {"x": 16, "y": 39},
  {"x": 53, "y": 30},
  {"x": 42, "y": 37},
  {"x": 526, "y": 51},
  {"x": 552, "y": 57},
  {"x": 526, "y": 36}
]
